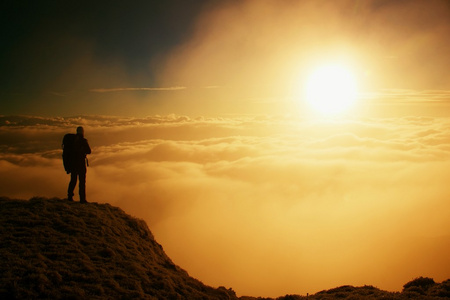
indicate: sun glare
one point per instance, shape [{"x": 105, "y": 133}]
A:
[{"x": 331, "y": 89}]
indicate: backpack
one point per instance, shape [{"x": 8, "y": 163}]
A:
[{"x": 69, "y": 152}]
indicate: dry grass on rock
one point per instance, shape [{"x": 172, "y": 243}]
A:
[{"x": 56, "y": 249}]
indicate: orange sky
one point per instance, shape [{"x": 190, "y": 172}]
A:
[
  {"x": 257, "y": 54},
  {"x": 232, "y": 57},
  {"x": 243, "y": 184}
]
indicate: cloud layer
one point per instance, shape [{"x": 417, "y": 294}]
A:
[{"x": 266, "y": 205}]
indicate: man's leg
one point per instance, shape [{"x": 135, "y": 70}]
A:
[
  {"x": 82, "y": 187},
  {"x": 72, "y": 184}
]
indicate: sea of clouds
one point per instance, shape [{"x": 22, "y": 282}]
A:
[{"x": 265, "y": 205}]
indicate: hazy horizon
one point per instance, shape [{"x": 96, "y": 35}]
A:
[{"x": 268, "y": 205}]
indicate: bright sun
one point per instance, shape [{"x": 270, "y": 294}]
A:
[{"x": 331, "y": 89}]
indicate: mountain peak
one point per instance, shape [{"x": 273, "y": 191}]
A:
[{"x": 57, "y": 249}]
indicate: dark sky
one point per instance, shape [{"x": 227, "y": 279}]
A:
[{"x": 41, "y": 39}]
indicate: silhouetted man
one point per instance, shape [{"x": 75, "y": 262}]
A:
[{"x": 78, "y": 170}]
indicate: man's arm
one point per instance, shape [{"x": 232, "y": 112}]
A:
[{"x": 87, "y": 149}]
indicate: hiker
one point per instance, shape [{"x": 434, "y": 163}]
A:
[{"x": 75, "y": 149}]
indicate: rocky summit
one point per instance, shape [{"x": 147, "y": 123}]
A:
[{"x": 56, "y": 249}]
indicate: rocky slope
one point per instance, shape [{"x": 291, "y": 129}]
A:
[{"x": 56, "y": 249}]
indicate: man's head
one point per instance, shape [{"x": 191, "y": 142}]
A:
[{"x": 80, "y": 131}]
